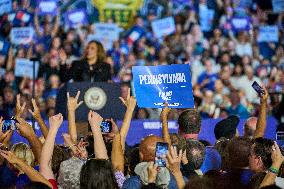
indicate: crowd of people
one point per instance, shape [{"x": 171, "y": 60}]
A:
[
  {"x": 224, "y": 63},
  {"x": 104, "y": 160}
]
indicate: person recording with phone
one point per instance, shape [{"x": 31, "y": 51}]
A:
[{"x": 91, "y": 67}]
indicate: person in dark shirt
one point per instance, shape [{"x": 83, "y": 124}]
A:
[{"x": 91, "y": 68}]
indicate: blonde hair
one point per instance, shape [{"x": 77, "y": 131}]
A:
[{"x": 24, "y": 152}]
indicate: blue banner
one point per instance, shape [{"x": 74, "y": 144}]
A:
[
  {"x": 278, "y": 6},
  {"x": 5, "y": 6},
  {"x": 47, "y": 7},
  {"x": 240, "y": 24},
  {"x": 4, "y": 46},
  {"x": 155, "y": 85},
  {"x": 76, "y": 17},
  {"x": 206, "y": 17},
  {"x": 141, "y": 128}
]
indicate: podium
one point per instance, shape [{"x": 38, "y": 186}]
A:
[{"x": 101, "y": 97}]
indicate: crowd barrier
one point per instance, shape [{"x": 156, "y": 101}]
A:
[{"x": 142, "y": 128}]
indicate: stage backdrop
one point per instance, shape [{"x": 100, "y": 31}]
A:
[{"x": 142, "y": 128}]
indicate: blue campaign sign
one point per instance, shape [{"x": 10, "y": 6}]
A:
[
  {"x": 47, "y": 7},
  {"x": 240, "y": 24},
  {"x": 75, "y": 17},
  {"x": 278, "y": 6},
  {"x": 155, "y": 85},
  {"x": 4, "y": 46},
  {"x": 5, "y": 6},
  {"x": 163, "y": 27},
  {"x": 267, "y": 34}
]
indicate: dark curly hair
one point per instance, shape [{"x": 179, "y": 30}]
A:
[
  {"x": 263, "y": 148},
  {"x": 189, "y": 122},
  {"x": 97, "y": 174}
]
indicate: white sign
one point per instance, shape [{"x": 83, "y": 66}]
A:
[
  {"x": 22, "y": 35},
  {"x": 163, "y": 27},
  {"x": 111, "y": 31},
  {"x": 268, "y": 34},
  {"x": 106, "y": 34},
  {"x": 24, "y": 68}
]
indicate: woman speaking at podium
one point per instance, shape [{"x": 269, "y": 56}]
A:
[{"x": 90, "y": 68}]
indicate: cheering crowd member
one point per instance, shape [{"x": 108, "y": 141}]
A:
[
  {"x": 228, "y": 46},
  {"x": 246, "y": 162}
]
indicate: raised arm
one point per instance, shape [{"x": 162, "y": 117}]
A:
[
  {"x": 28, "y": 170},
  {"x": 261, "y": 121},
  {"x": 174, "y": 159},
  {"x": 36, "y": 23},
  {"x": 38, "y": 118},
  {"x": 10, "y": 59},
  {"x": 56, "y": 25},
  {"x": 3, "y": 136},
  {"x": 277, "y": 160},
  {"x": 117, "y": 157},
  {"x": 99, "y": 145},
  {"x": 26, "y": 131},
  {"x": 48, "y": 146},
  {"x": 72, "y": 105},
  {"x": 19, "y": 108},
  {"x": 164, "y": 117},
  {"x": 130, "y": 104}
]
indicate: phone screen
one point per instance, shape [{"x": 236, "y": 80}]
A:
[
  {"x": 257, "y": 88},
  {"x": 106, "y": 126},
  {"x": 280, "y": 138},
  {"x": 9, "y": 124},
  {"x": 161, "y": 153}
]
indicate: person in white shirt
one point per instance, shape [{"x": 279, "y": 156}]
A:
[{"x": 246, "y": 82}]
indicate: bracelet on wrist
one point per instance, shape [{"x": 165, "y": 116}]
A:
[{"x": 273, "y": 170}]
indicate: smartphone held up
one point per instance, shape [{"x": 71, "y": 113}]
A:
[
  {"x": 161, "y": 154},
  {"x": 258, "y": 88}
]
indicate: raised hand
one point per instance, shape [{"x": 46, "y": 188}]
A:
[
  {"x": 184, "y": 159},
  {"x": 152, "y": 172},
  {"x": 81, "y": 149},
  {"x": 56, "y": 121},
  {"x": 36, "y": 112},
  {"x": 62, "y": 56},
  {"x": 67, "y": 140},
  {"x": 276, "y": 155},
  {"x": 264, "y": 96},
  {"x": 19, "y": 108},
  {"x": 130, "y": 101},
  {"x": 174, "y": 159},
  {"x": 94, "y": 119},
  {"x": 3, "y": 135},
  {"x": 166, "y": 110},
  {"x": 72, "y": 102},
  {"x": 24, "y": 129},
  {"x": 9, "y": 156},
  {"x": 110, "y": 136}
]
